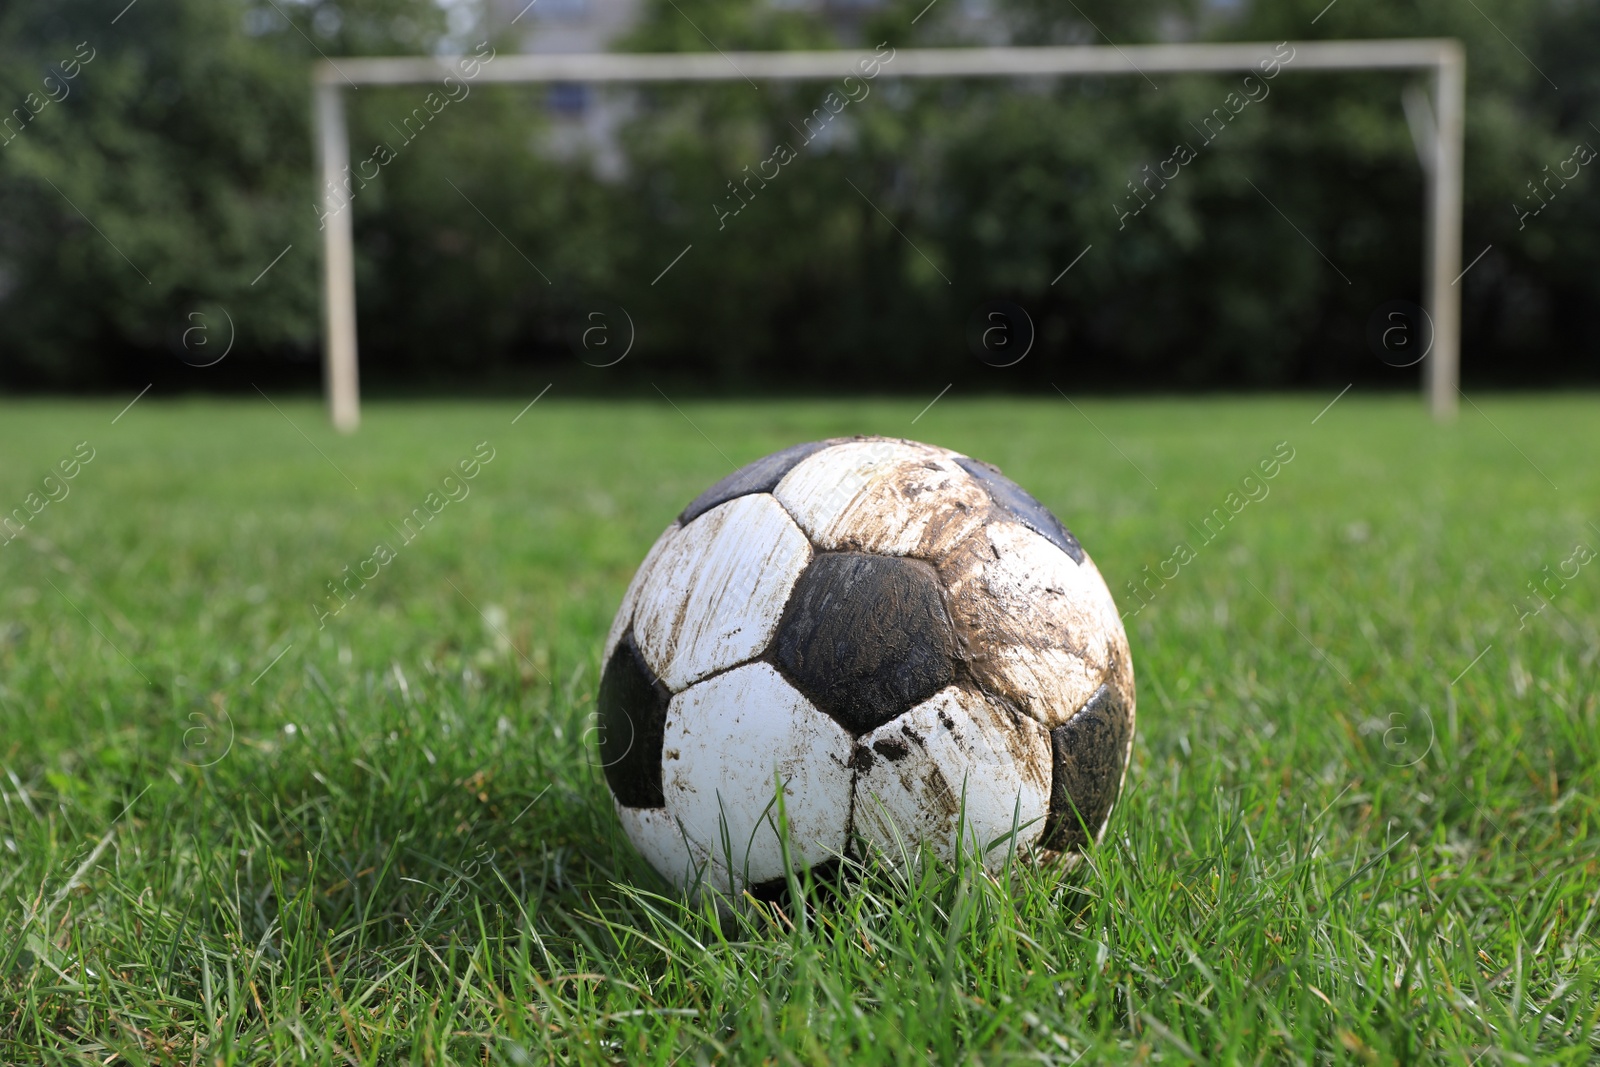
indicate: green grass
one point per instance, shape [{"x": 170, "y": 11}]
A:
[{"x": 1349, "y": 834}]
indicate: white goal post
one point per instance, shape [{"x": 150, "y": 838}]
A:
[{"x": 1439, "y": 141}]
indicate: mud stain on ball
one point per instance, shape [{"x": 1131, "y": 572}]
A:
[
  {"x": 1021, "y": 505},
  {"x": 1036, "y": 629},
  {"x": 891, "y": 749},
  {"x": 895, "y": 498}
]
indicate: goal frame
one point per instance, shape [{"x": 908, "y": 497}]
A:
[{"x": 1439, "y": 140}]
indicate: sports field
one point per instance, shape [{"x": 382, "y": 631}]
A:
[{"x": 256, "y": 813}]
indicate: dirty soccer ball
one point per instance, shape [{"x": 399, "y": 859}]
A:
[{"x": 915, "y": 647}]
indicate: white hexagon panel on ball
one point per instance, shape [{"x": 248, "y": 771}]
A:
[
  {"x": 959, "y": 758},
  {"x": 899, "y": 498},
  {"x": 1042, "y": 628},
  {"x": 729, "y": 740},
  {"x": 662, "y": 842},
  {"x": 717, "y": 590},
  {"x": 624, "y": 616}
]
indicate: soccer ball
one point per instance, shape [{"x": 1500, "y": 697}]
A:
[{"x": 898, "y": 638}]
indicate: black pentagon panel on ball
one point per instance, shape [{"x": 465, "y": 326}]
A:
[
  {"x": 632, "y": 712},
  {"x": 1090, "y": 751},
  {"x": 762, "y": 476},
  {"x": 866, "y": 637},
  {"x": 1016, "y": 500}
]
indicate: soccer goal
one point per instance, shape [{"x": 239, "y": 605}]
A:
[{"x": 1437, "y": 130}]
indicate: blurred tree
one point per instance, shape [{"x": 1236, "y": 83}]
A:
[
  {"x": 137, "y": 213},
  {"x": 1259, "y": 264},
  {"x": 178, "y": 166}
]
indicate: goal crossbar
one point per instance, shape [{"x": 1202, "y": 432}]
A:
[{"x": 1439, "y": 147}]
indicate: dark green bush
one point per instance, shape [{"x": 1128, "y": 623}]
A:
[{"x": 177, "y": 165}]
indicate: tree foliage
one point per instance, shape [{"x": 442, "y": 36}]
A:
[{"x": 176, "y": 165}]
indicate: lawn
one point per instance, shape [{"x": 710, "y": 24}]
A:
[{"x": 247, "y": 821}]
